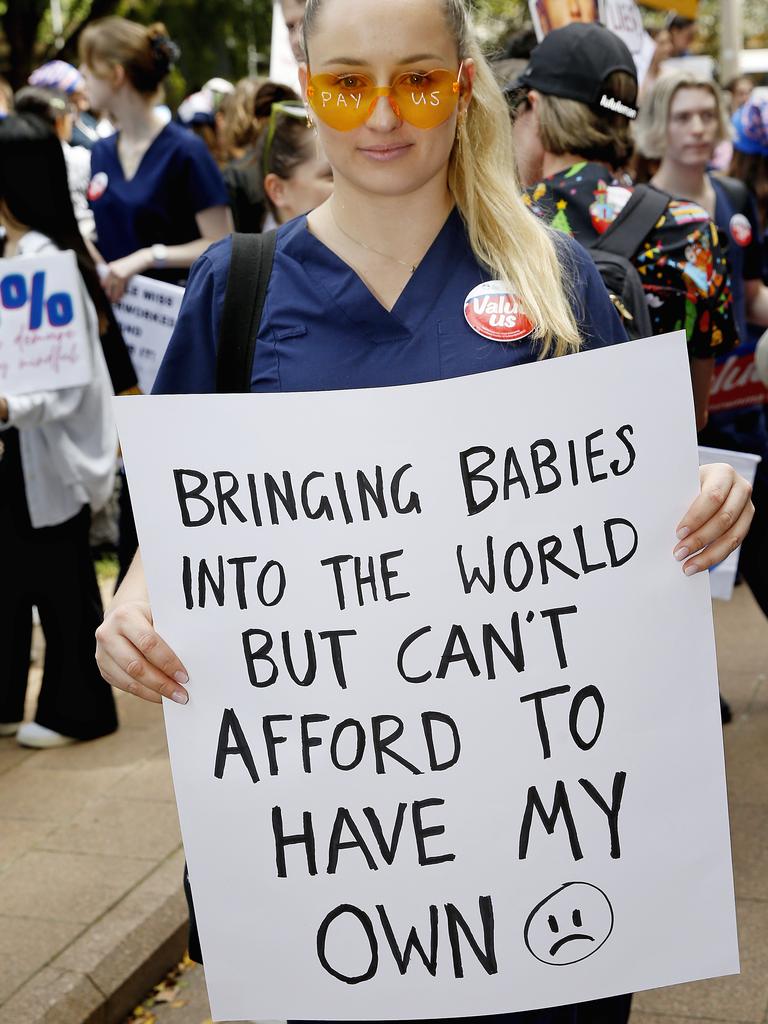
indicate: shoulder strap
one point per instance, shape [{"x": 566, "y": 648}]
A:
[
  {"x": 630, "y": 229},
  {"x": 736, "y": 190},
  {"x": 247, "y": 280}
]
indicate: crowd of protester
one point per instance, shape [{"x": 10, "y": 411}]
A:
[
  {"x": 139, "y": 191},
  {"x": 665, "y": 187}
]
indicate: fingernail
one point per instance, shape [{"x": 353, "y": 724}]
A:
[
  {"x": 180, "y": 697},
  {"x": 181, "y": 678},
  {"x": 691, "y": 570},
  {"x": 683, "y": 532},
  {"x": 681, "y": 553}
]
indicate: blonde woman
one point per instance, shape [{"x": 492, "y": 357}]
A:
[{"x": 369, "y": 288}]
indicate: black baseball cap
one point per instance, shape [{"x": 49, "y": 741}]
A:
[{"x": 574, "y": 62}]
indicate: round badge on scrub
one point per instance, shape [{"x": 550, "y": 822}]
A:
[
  {"x": 741, "y": 230},
  {"x": 97, "y": 186},
  {"x": 493, "y": 313}
]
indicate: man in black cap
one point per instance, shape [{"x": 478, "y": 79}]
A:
[{"x": 573, "y": 108}]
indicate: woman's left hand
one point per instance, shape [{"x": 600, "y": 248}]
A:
[
  {"x": 718, "y": 520},
  {"x": 119, "y": 273}
]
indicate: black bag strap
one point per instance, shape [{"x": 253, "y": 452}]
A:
[
  {"x": 247, "y": 281},
  {"x": 630, "y": 229},
  {"x": 737, "y": 192}
]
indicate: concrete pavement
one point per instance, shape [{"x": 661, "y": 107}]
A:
[{"x": 91, "y": 910}]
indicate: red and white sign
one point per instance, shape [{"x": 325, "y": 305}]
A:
[
  {"x": 493, "y": 313},
  {"x": 736, "y": 384}
]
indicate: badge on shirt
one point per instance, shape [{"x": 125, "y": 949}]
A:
[
  {"x": 741, "y": 230},
  {"x": 493, "y": 313},
  {"x": 98, "y": 186}
]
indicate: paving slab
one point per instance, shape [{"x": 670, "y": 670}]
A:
[
  {"x": 57, "y": 997},
  {"x": 652, "y": 1018},
  {"x": 26, "y": 948},
  {"x": 118, "y": 828},
  {"x": 57, "y": 886},
  {"x": 18, "y": 837},
  {"x": 45, "y": 795}
]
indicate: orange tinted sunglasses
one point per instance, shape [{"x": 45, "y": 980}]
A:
[{"x": 424, "y": 100}]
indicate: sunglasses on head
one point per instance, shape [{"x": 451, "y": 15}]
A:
[
  {"x": 282, "y": 108},
  {"x": 346, "y": 101}
]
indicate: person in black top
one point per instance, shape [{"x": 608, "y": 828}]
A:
[
  {"x": 573, "y": 107},
  {"x": 682, "y": 124}
]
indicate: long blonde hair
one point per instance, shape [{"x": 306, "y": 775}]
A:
[{"x": 505, "y": 236}]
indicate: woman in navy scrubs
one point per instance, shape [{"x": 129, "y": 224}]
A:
[
  {"x": 157, "y": 196},
  {"x": 369, "y": 288}
]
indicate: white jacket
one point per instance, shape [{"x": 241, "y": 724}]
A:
[{"x": 68, "y": 438}]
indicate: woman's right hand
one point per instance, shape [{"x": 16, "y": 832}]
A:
[{"x": 134, "y": 658}]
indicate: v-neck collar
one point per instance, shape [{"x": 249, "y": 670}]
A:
[
  {"x": 118, "y": 161},
  {"x": 348, "y": 290}
]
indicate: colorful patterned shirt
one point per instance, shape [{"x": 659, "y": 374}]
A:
[{"x": 681, "y": 264}]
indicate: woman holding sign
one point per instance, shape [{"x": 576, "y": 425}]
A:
[
  {"x": 377, "y": 286},
  {"x": 158, "y": 199}
]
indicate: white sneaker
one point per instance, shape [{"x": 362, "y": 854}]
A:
[
  {"x": 31, "y": 734},
  {"x": 9, "y": 728}
]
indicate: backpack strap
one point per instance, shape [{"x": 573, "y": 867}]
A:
[
  {"x": 737, "y": 192},
  {"x": 630, "y": 229},
  {"x": 247, "y": 281}
]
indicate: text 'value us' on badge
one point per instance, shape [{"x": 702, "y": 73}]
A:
[{"x": 493, "y": 313}]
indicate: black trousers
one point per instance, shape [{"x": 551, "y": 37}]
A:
[
  {"x": 51, "y": 568},
  {"x": 599, "y": 1011},
  {"x": 128, "y": 540},
  {"x": 753, "y": 561}
]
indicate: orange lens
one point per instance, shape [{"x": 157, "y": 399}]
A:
[
  {"x": 424, "y": 100},
  {"x": 343, "y": 102}
]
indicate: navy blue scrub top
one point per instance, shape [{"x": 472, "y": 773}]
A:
[
  {"x": 745, "y": 261},
  {"x": 322, "y": 329},
  {"x": 176, "y": 179}
]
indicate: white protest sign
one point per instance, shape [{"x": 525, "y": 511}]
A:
[
  {"x": 43, "y": 328},
  {"x": 282, "y": 63},
  {"x": 147, "y": 315},
  {"x": 623, "y": 18},
  {"x": 722, "y": 577},
  {"x": 453, "y": 744}
]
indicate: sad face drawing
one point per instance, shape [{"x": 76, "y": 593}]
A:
[{"x": 569, "y": 925}]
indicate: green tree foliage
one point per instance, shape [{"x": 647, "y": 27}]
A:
[{"x": 217, "y": 37}]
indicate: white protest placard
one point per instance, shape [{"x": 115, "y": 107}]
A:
[
  {"x": 282, "y": 63},
  {"x": 624, "y": 19},
  {"x": 147, "y": 314},
  {"x": 722, "y": 577},
  {"x": 453, "y": 743},
  {"x": 43, "y": 328}
]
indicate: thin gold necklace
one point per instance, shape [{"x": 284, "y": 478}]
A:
[{"x": 369, "y": 248}]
